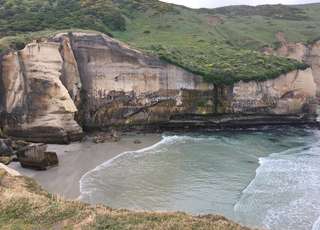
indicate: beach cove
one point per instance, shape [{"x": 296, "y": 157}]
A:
[
  {"x": 254, "y": 177},
  {"x": 78, "y": 158}
]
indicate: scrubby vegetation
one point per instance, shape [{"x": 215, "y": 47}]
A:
[
  {"x": 221, "y": 44},
  {"x": 272, "y": 11},
  {"x": 24, "y": 205},
  {"x": 226, "y": 66},
  {"x": 36, "y": 15}
]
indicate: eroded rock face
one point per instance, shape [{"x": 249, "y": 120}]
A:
[
  {"x": 38, "y": 107},
  {"x": 313, "y": 59},
  {"x": 123, "y": 87},
  {"x": 292, "y": 93},
  {"x": 110, "y": 84},
  {"x": 70, "y": 76},
  {"x": 309, "y": 54}
]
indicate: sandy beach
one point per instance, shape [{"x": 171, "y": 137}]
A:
[{"x": 78, "y": 158}]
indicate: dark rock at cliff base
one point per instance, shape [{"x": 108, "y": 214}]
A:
[
  {"x": 1, "y": 133},
  {"x": 49, "y": 135},
  {"x": 99, "y": 139},
  {"x": 6, "y": 159},
  {"x": 137, "y": 142},
  {"x": 6, "y": 147},
  {"x": 7, "y": 151},
  {"x": 112, "y": 136},
  {"x": 115, "y": 135},
  {"x": 19, "y": 144},
  {"x": 35, "y": 156}
]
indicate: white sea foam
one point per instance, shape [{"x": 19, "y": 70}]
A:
[
  {"x": 316, "y": 225},
  {"x": 285, "y": 192},
  {"x": 283, "y": 195},
  {"x": 166, "y": 140}
]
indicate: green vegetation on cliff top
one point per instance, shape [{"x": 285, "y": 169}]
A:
[{"x": 221, "y": 44}]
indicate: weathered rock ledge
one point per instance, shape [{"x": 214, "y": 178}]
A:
[
  {"x": 49, "y": 90},
  {"x": 29, "y": 155}
]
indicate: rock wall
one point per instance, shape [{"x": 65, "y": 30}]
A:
[
  {"x": 100, "y": 82},
  {"x": 291, "y": 93},
  {"x": 308, "y": 53},
  {"x": 37, "y": 106}
]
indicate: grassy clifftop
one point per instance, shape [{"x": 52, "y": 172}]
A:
[
  {"x": 24, "y": 205},
  {"x": 221, "y": 44}
]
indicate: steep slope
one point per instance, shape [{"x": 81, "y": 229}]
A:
[
  {"x": 35, "y": 103},
  {"x": 216, "y": 44}
]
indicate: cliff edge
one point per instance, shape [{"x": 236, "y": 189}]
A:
[{"x": 52, "y": 89}]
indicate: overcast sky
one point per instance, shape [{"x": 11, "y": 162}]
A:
[{"x": 218, "y": 3}]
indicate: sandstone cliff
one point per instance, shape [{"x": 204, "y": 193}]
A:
[
  {"x": 36, "y": 105},
  {"x": 308, "y": 53},
  {"x": 95, "y": 81}
]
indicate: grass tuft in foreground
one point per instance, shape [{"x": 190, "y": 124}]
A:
[{"x": 24, "y": 205}]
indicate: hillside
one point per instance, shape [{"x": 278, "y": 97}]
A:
[
  {"x": 221, "y": 44},
  {"x": 24, "y": 205}
]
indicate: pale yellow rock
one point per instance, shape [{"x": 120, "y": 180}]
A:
[
  {"x": 13, "y": 81},
  {"x": 287, "y": 94},
  {"x": 10, "y": 171},
  {"x": 70, "y": 73},
  {"x": 309, "y": 54},
  {"x": 122, "y": 86},
  {"x": 34, "y": 86}
]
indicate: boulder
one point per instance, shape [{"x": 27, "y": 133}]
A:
[
  {"x": 6, "y": 159},
  {"x": 137, "y": 142},
  {"x": 113, "y": 136},
  {"x": 19, "y": 144},
  {"x": 35, "y": 156},
  {"x": 6, "y": 147},
  {"x": 7, "y": 154}
]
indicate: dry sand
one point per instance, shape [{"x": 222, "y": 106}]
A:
[{"x": 78, "y": 158}]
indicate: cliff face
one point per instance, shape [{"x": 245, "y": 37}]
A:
[
  {"x": 110, "y": 84},
  {"x": 37, "y": 106},
  {"x": 310, "y": 54}
]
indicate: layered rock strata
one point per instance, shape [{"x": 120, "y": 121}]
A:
[
  {"x": 50, "y": 88},
  {"x": 36, "y": 104},
  {"x": 307, "y": 53}
]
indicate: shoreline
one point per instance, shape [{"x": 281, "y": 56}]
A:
[{"x": 79, "y": 158}]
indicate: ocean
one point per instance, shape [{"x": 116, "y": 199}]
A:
[{"x": 261, "y": 178}]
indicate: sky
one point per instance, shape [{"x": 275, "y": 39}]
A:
[{"x": 219, "y": 3}]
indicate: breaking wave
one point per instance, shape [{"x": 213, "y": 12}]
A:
[{"x": 285, "y": 192}]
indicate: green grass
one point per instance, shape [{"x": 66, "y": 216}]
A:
[
  {"x": 24, "y": 205},
  {"x": 221, "y": 44}
]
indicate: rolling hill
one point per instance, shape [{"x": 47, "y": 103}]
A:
[{"x": 220, "y": 44}]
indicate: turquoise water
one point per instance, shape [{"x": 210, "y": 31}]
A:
[{"x": 268, "y": 179}]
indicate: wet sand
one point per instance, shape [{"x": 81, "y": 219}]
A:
[{"x": 77, "y": 159}]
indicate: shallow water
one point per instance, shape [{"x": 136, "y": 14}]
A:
[{"x": 268, "y": 178}]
